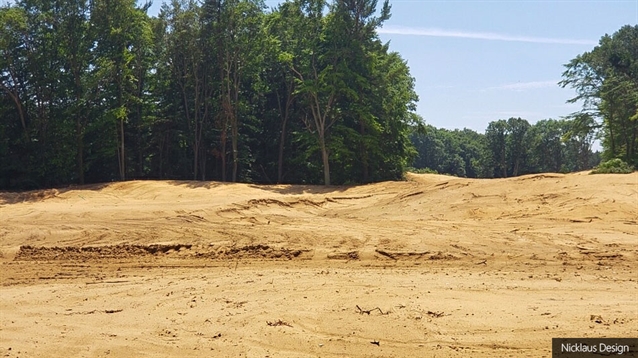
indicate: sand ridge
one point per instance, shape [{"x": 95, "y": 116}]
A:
[{"x": 432, "y": 266}]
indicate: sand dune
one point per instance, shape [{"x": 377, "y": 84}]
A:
[{"x": 433, "y": 266}]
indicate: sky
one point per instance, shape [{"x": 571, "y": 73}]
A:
[{"x": 479, "y": 61}]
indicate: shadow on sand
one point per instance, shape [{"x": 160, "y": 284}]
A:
[{"x": 14, "y": 197}]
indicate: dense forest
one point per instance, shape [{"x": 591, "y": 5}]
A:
[
  {"x": 98, "y": 91},
  {"x": 508, "y": 148}
]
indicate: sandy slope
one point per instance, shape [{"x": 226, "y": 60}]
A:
[{"x": 445, "y": 266}]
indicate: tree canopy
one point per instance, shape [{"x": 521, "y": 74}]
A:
[
  {"x": 507, "y": 148},
  {"x": 219, "y": 90},
  {"x": 97, "y": 91},
  {"x": 606, "y": 83}
]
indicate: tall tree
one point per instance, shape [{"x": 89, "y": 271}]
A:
[
  {"x": 318, "y": 78},
  {"x": 496, "y": 135},
  {"x": 123, "y": 30},
  {"x": 83, "y": 83},
  {"x": 284, "y": 26},
  {"x": 189, "y": 70},
  {"x": 545, "y": 146},
  {"x": 353, "y": 28},
  {"x": 517, "y": 144},
  {"x": 606, "y": 82},
  {"x": 235, "y": 30}
]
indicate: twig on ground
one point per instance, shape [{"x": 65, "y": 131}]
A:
[
  {"x": 362, "y": 311},
  {"x": 99, "y": 282},
  {"x": 278, "y": 323},
  {"x": 436, "y": 314}
]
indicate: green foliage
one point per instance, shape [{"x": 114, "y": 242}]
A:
[
  {"x": 606, "y": 83},
  {"x": 94, "y": 91},
  {"x": 98, "y": 91},
  {"x": 614, "y": 166},
  {"x": 421, "y": 170},
  {"x": 508, "y": 148},
  {"x": 450, "y": 152}
]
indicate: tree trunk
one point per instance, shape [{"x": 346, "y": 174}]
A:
[
  {"x": 632, "y": 150},
  {"x": 161, "y": 156},
  {"x": 235, "y": 118},
  {"x": 138, "y": 133},
  {"x": 80, "y": 154},
  {"x": 122, "y": 153},
  {"x": 235, "y": 154},
  {"x": 280, "y": 160},
  {"x": 284, "y": 121},
  {"x": 364, "y": 152},
  {"x": 195, "y": 160},
  {"x": 203, "y": 164},
  {"x": 233, "y": 142},
  {"x": 20, "y": 110},
  {"x": 223, "y": 156},
  {"x": 324, "y": 157},
  {"x": 196, "y": 124},
  {"x": 196, "y": 138},
  {"x": 120, "y": 103},
  {"x": 612, "y": 143},
  {"x": 282, "y": 136},
  {"x": 503, "y": 164}
]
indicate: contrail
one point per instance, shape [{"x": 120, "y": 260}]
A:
[
  {"x": 520, "y": 86},
  {"x": 414, "y": 31}
]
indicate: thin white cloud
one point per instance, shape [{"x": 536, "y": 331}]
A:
[
  {"x": 496, "y": 115},
  {"x": 415, "y": 31},
  {"x": 522, "y": 86}
]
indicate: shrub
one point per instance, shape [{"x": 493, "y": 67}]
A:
[
  {"x": 614, "y": 166},
  {"x": 421, "y": 170}
]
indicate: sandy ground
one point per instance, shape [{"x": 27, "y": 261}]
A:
[{"x": 432, "y": 267}]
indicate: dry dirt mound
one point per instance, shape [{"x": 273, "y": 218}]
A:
[
  {"x": 534, "y": 215},
  {"x": 432, "y": 266}
]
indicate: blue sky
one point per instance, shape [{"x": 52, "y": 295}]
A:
[{"x": 480, "y": 61}]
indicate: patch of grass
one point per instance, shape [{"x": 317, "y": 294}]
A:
[{"x": 614, "y": 166}]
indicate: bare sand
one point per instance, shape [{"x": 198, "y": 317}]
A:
[{"x": 434, "y": 266}]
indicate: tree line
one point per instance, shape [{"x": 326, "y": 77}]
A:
[
  {"x": 606, "y": 83},
  {"x": 98, "y": 90},
  {"x": 507, "y": 148}
]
